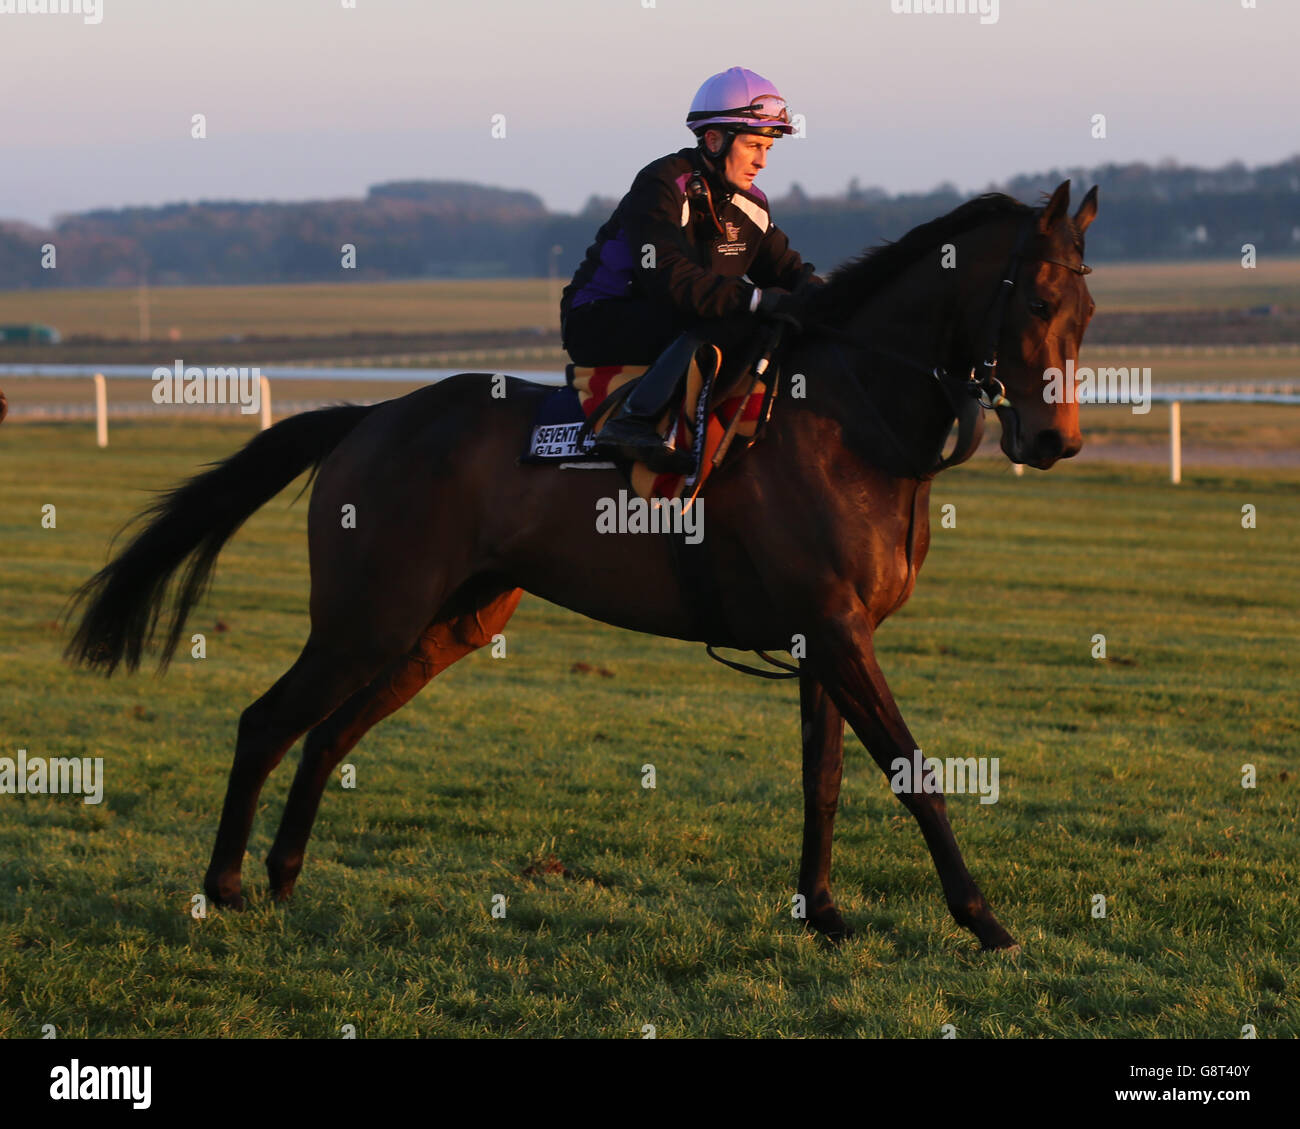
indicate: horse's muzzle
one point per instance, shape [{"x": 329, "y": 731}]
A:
[
  {"x": 1050, "y": 445},
  {"x": 1046, "y": 448}
]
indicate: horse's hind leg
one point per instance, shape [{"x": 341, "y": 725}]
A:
[
  {"x": 441, "y": 645},
  {"x": 310, "y": 690}
]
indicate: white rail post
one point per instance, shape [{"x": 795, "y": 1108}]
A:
[
  {"x": 1175, "y": 442},
  {"x": 101, "y": 410},
  {"x": 266, "y": 402}
]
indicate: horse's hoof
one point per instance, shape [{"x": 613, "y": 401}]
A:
[
  {"x": 283, "y": 875},
  {"x": 224, "y": 899},
  {"x": 831, "y": 927}
]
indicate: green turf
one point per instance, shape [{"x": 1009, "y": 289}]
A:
[{"x": 1119, "y": 777}]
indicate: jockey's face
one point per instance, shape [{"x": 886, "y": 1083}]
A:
[{"x": 746, "y": 157}]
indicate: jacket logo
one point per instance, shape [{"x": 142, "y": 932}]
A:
[{"x": 733, "y": 232}]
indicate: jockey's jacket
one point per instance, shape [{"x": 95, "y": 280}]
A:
[{"x": 694, "y": 268}]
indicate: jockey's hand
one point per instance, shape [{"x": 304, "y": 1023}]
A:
[{"x": 777, "y": 304}]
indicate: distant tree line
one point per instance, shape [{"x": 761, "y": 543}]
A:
[{"x": 447, "y": 229}]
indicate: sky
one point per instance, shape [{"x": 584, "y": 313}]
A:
[{"x": 309, "y": 99}]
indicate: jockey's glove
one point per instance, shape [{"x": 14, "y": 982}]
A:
[{"x": 779, "y": 305}]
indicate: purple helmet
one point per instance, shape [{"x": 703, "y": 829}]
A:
[{"x": 741, "y": 100}]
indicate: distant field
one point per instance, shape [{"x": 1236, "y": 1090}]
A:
[
  {"x": 1119, "y": 777},
  {"x": 299, "y": 311},
  {"x": 425, "y": 306},
  {"x": 1200, "y": 365},
  {"x": 1195, "y": 286}
]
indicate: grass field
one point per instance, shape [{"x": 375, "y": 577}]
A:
[
  {"x": 200, "y": 312},
  {"x": 1120, "y": 777}
]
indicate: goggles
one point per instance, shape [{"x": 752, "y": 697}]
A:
[{"x": 769, "y": 107}]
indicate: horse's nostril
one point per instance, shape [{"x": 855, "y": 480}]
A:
[{"x": 1050, "y": 445}]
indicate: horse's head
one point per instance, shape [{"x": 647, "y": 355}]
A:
[
  {"x": 1042, "y": 328},
  {"x": 901, "y": 307}
]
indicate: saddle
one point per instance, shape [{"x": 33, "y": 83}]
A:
[{"x": 707, "y": 420}]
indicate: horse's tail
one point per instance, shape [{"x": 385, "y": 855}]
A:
[{"x": 192, "y": 523}]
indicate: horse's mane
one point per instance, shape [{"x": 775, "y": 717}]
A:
[{"x": 852, "y": 283}]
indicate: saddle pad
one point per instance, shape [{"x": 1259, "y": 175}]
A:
[{"x": 555, "y": 431}]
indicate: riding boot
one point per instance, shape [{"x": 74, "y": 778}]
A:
[{"x": 633, "y": 427}]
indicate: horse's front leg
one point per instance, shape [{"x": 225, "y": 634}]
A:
[
  {"x": 823, "y": 765},
  {"x": 844, "y": 660}
]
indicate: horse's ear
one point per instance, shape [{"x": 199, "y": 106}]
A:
[
  {"x": 1055, "y": 208},
  {"x": 1087, "y": 211}
]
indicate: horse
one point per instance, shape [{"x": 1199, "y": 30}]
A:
[{"x": 819, "y": 529}]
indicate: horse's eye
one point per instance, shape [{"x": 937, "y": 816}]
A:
[{"x": 1038, "y": 308}]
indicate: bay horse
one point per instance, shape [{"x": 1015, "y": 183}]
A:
[{"x": 819, "y": 530}]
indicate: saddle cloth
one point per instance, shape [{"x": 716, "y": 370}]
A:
[{"x": 554, "y": 434}]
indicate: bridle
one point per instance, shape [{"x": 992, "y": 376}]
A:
[
  {"x": 987, "y": 389},
  {"x": 980, "y": 389}
]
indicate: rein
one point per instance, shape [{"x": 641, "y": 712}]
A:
[{"x": 784, "y": 669}]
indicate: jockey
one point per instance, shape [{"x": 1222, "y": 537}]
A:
[{"x": 689, "y": 255}]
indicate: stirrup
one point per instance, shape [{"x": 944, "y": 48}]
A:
[{"x": 636, "y": 439}]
